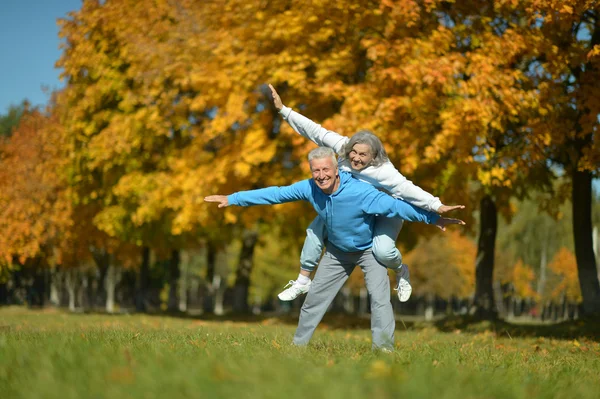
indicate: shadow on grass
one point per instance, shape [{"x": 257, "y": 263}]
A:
[{"x": 578, "y": 329}]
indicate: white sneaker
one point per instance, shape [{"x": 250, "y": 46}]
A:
[
  {"x": 404, "y": 288},
  {"x": 294, "y": 290}
]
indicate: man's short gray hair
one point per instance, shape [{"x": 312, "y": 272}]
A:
[
  {"x": 323, "y": 152},
  {"x": 368, "y": 138}
]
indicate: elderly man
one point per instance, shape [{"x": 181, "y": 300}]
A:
[{"x": 348, "y": 208}]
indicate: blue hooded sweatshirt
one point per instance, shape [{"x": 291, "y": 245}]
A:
[{"x": 349, "y": 212}]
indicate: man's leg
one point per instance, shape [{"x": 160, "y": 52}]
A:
[
  {"x": 331, "y": 275},
  {"x": 309, "y": 258},
  {"x": 382, "y": 314},
  {"x": 385, "y": 233}
]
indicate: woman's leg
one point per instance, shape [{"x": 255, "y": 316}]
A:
[
  {"x": 385, "y": 234},
  {"x": 309, "y": 258}
]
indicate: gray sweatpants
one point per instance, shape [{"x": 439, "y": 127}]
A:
[{"x": 334, "y": 269}]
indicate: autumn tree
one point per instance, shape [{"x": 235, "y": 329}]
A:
[
  {"x": 10, "y": 119},
  {"x": 566, "y": 284},
  {"x": 124, "y": 126},
  {"x": 169, "y": 104},
  {"x": 442, "y": 266},
  {"x": 567, "y": 73},
  {"x": 36, "y": 213}
]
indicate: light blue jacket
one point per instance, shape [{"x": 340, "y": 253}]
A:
[{"x": 349, "y": 213}]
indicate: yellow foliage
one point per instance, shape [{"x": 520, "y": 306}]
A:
[
  {"x": 564, "y": 266},
  {"x": 443, "y": 265}
]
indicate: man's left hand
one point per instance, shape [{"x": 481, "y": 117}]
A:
[{"x": 221, "y": 199}]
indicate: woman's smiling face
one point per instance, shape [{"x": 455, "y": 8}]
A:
[{"x": 360, "y": 156}]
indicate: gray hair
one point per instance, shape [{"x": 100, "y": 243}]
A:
[
  {"x": 323, "y": 152},
  {"x": 368, "y": 138}
]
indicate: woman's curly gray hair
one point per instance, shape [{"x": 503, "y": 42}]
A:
[{"x": 368, "y": 138}]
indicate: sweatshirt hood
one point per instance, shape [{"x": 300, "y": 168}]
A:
[{"x": 344, "y": 178}]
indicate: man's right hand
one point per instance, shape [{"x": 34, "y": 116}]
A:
[
  {"x": 442, "y": 222},
  {"x": 221, "y": 199},
  {"x": 276, "y": 99}
]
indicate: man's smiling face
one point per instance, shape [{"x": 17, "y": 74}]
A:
[{"x": 325, "y": 174}]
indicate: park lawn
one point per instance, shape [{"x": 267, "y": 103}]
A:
[{"x": 53, "y": 354}]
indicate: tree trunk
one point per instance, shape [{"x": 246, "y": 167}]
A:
[
  {"x": 102, "y": 259},
  {"x": 174, "y": 273},
  {"x": 543, "y": 263},
  {"x": 596, "y": 248},
  {"x": 348, "y": 300},
  {"x": 208, "y": 302},
  {"x": 71, "y": 288},
  {"x": 3, "y": 294},
  {"x": 363, "y": 306},
  {"x": 582, "y": 234},
  {"x": 110, "y": 284},
  {"x": 55, "y": 287},
  {"x": 512, "y": 307},
  {"x": 242, "y": 278},
  {"x": 184, "y": 282},
  {"x": 429, "y": 306},
  {"x": 83, "y": 289},
  {"x": 484, "y": 266},
  {"x": 219, "y": 295},
  {"x": 142, "y": 283}
]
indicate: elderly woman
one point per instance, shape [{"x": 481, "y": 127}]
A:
[{"x": 362, "y": 155}]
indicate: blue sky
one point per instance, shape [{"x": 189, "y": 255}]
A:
[{"x": 29, "y": 47}]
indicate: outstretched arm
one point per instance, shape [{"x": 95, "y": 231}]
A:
[
  {"x": 390, "y": 179},
  {"x": 264, "y": 196},
  {"x": 307, "y": 128},
  {"x": 376, "y": 202}
]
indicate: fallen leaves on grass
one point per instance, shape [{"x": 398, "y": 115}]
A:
[{"x": 379, "y": 369}]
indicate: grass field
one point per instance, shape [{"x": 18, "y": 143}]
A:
[{"x": 53, "y": 354}]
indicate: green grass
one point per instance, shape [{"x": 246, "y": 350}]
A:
[{"x": 52, "y": 354}]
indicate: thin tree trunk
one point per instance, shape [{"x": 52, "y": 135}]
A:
[
  {"x": 82, "y": 290},
  {"x": 512, "y": 307},
  {"x": 142, "y": 283},
  {"x": 596, "y": 248},
  {"x": 102, "y": 259},
  {"x": 174, "y": 273},
  {"x": 110, "y": 284},
  {"x": 3, "y": 294},
  {"x": 582, "y": 234},
  {"x": 543, "y": 263},
  {"x": 208, "y": 302},
  {"x": 184, "y": 282},
  {"x": 429, "y": 306},
  {"x": 363, "y": 306},
  {"x": 71, "y": 281},
  {"x": 242, "y": 278},
  {"x": 348, "y": 301},
  {"x": 219, "y": 295},
  {"x": 484, "y": 267},
  {"x": 55, "y": 287}
]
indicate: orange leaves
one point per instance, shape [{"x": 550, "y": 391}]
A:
[
  {"x": 35, "y": 209},
  {"x": 522, "y": 278},
  {"x": 564, "y": 266},
  {"x": 443, "y": 265}
]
